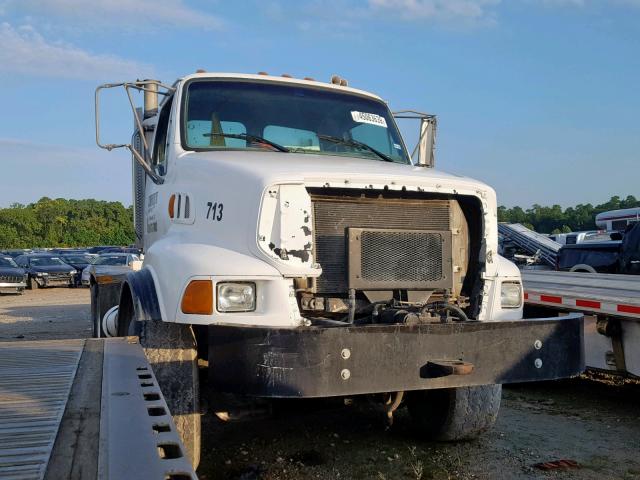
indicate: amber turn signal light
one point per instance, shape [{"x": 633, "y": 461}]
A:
[
  {"x": 172, "y": 202},
  {"x": 198, "y": 298}
]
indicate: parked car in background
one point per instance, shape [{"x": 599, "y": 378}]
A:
[
  {"x": 14, "y": 253},
  {"x": 592, "y": 257},
  {"x": 621, "y": 255},
  {"x": 12, "y": 277},
  {"x": 574, "y": 238},
  {"x": 108, "y": 261},
  {"x": 46, "y": 270},
  {"x": 79, "y": 261},
  {"x": 630, "y": 250},
  {"x": 134, "y": 250},
  {"x": 69, "y": 251},
  {"x": 98, "y": 248}
]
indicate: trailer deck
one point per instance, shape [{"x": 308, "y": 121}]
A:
[
  {"x": 603, "y": 293},
  {"x": 611, "y": 304},
  {"x": 84, "y": 409}
]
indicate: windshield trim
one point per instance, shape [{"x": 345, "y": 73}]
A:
[{"x": 183, "y": 109}]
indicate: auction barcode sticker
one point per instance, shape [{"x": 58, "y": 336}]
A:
[{"x": 372, "y": 118}]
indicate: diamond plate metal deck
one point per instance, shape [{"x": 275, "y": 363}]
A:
[{"x": 35, "y": 380}]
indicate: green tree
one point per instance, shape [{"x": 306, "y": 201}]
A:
[
  {"x": 555, "y": 219},
  {"x": 66, "y": 223}
]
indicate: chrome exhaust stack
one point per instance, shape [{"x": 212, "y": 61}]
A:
[{"x": 150, "y": 98}]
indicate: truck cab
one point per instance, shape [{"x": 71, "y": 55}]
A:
[{"x": 292, "y": 240}]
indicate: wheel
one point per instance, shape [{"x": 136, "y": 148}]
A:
[
  {"x": 452, "y": 414},
  {"x": 171, "y": 351}
]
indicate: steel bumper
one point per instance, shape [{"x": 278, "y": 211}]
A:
[
  {"x": 322, "y": 361},
  {"x": 48, "y": 282}
]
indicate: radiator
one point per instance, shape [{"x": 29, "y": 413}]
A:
[{"x": 402, "y": 242}]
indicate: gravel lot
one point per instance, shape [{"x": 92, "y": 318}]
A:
[{"x": 595, "y": 424}]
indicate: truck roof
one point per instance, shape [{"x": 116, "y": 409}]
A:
[{"x": 279, "y": 79}]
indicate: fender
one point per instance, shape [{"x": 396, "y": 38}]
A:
[{"x": 139, "y": 291}]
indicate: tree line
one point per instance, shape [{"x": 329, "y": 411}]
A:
[
  {"x": 66, "y": 223},
  {"x": 556, "y": 220}
]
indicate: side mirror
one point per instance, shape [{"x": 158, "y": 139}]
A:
[
  {"x": 427, "y": 139},
  {"x": 140, "y": 148}
]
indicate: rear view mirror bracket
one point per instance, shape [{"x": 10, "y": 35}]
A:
[
  {"x": 151, "y": 89},
  {"x": 427, "y": 139}
]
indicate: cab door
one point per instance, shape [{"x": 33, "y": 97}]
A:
[{"x": 156, "y": 195}]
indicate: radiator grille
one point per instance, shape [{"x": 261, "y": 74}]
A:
[
  {"x": 139, "y": 178},
  {"x": 401, "y": 256},
  {"x": 11, "y": 279},
  {"x": 333, "y": 215},
  {"x": 59, "y": 276}
]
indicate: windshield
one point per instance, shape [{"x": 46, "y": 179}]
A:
[
  {"x": 227, "y": 114},
  {"x": 46, "y": 261},
  {"x": 7, "y": 262},
  {"x": 78, "y": 258},
  {"x": 111, "y": 260}
]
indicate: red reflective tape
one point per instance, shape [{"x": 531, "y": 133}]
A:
[
  {"x": 628, "y": 309},
  {"x": 526, "y": 296},
  {"x": 550, "y": 299},
  {"x": 588, "y": 304}
]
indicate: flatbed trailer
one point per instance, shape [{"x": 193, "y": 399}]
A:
[
  {"x": 611, "y": 304},
  {"x": 85, "y": 409}
]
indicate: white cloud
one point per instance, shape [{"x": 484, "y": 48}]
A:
[
  {"x": 587, "y": 3},
  {"x": 24, "y": 51},
  {"x": 122, "y": 13},
  {"x": 436, "y": 9}
]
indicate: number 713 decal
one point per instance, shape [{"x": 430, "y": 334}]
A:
[{"x": 214, "y": 211}]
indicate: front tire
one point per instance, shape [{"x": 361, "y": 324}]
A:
[
  {"x": 170, "y": 348},
  {"x": 452, "y": 414}
]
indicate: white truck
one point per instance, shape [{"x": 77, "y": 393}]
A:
[{"x": 292, "y": 243}]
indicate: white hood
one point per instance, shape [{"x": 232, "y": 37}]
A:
[
  {"x": 276, "y": 167},
  {"x": 247, "y": 183}
]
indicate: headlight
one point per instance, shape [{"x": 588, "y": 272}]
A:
[
  {"x": 72, "y": 272},
  {"x": 41, "y": 274},
  {"x": 236, "y": 297},
  {"x": 511, "y": 295}
]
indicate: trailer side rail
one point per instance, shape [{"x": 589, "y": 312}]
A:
[
  {"x": 600, "y": 293},
  {"x": 85, "y": 409}
]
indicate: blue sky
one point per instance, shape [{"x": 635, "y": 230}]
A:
[{"x": 539, "y": 98}]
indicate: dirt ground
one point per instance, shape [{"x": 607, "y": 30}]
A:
[{"x": 596, "y": 425}]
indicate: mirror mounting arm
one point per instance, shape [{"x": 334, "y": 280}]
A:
[
  {"x": 427, "y": 140},
  {"x": 143, "y": 86}
]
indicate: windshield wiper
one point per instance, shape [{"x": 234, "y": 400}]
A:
[
  {"x": 356, "y": 144},
  {"x": 252, "y": 138}
]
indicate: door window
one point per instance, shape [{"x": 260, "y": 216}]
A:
[{"x": 160, "y": 147}]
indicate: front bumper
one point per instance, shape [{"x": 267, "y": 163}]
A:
[
  {"x": 324, "y": 361},
  {"x": 4, "y": 285},
  {"x": 51, "y": 280}
]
